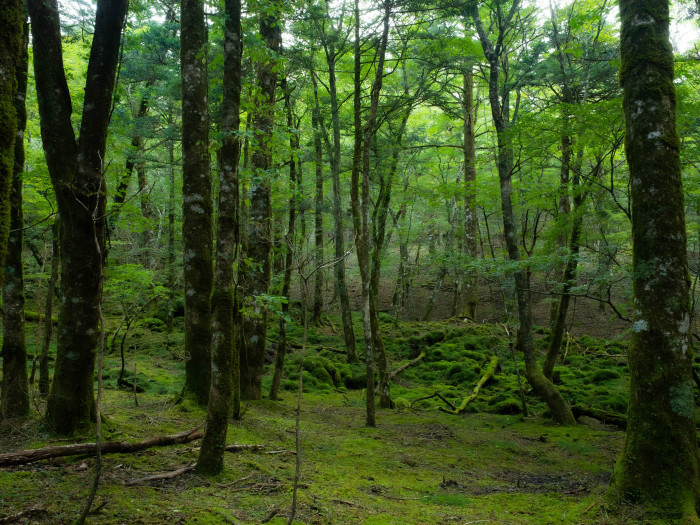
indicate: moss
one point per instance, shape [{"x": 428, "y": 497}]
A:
[{"x": 604, "y": 375}]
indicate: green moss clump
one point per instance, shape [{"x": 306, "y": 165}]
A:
[{"x": 605, "y": 374}]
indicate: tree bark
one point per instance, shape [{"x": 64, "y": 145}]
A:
[
  {"x": 658, "y": 467},
  {"x": 258, "y": 241},
  {"x": 15, "y": 389},
  {"x": 12, "y": 17},
  {"x": 77, "y": 173},
  {"x": 471, "y": 296},
  {"x": 211, "y": 455},
  {"x": 196, "y": 200}
]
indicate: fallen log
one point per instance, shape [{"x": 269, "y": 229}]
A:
[
  {"x": 488, "y": 374},
  {"x": 611, "y": 418},
  {"x": 29, "y": 456},
  {"x": 403, "y": 367},
  {"x": 436, "y": 394}
]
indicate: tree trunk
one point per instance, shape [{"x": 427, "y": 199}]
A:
[
  {"x": 48, "y": 311},
  {"x": 170, "y": 264},
  {"x": 196, "y": 200},
  {"x": 12, "y": 18},
  {"x": 318, "y": 218},
  {"x": 211, "y": 455},
  {"x": 289, "y": 250},
  {"x": 500, "y": 111},
  {"x": 658, "y": 466},
  {"x": 15, "y": 390},
  {"x": 470, "y": 294},
  {"x": 338, "y": 234},
  {"x": 258, "y": 242},
  {"x": 76, "y": 169},
  {"x": 361, "y": 202}
]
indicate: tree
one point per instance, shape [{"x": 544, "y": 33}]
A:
[
  {"x": 255, "y": 277},
  {"x": 211, "y": 456},
  {"x": 496, "y": 54},
  {"x": 659, "y": 464},
  {"x": 196, "y": 203},
  {"x": 11, "y": 20},
  {"x": 77, "y": 174},
  {"x": 15, "y": 392}
]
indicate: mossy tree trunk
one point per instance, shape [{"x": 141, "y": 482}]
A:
[
  {"x": 658, "y": 466},
  {"x": 471, "y": 296},
  {"x": 12, "y": 16},
  {"x": 360, "y": 199},
  {"x": 77, "y": 173},
  {"x": 15, "y": 398},
  {"x": 196, "y": 200},
  {"x": 211, "y": 455},
  {"x": 258, "y": 242},
  {"x": 495, "y": 54}
]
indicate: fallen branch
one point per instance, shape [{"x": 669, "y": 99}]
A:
[
  {"x": 403, "y": 367},
  {"x": 488, "y": 374},
  {"x": 29, "y": 456},
  {"x": 22, "y": 515},
  {"x": 241, "y": 448},
  {"x": 271, "y": 515},
  {"x": 436, "y": 394},
  {"x": 161, "y": 475}
]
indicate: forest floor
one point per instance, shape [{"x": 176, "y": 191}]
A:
[{"x": 418, "y": 466}]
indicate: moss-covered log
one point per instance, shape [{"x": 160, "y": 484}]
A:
[
  {"x": 658, "y": 467},
  {"x": 485, "y": 378}
]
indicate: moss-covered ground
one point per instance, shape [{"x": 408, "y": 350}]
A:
[{"x": 418, "y": 465}]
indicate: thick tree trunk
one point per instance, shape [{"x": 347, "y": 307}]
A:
[
  {"x": 659, "y": 464},
  {"x": 258, "y": 242},
  {"x": 15, "y": 397},
  {"x": 196, "y": 200},
  {"x": 76, "y": 169},
  {"x": 211, "y": 455},
  {"x": 12, "y": 17},
  {"x": 470, "y": 294}
]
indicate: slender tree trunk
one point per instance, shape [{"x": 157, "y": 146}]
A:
[
  {"x": 15, "y": 389},
  {"x": 196, "y": 201},
  {"x": 211, "y": 455},
  {"x": 500, "y": 108},
  {"x": 137, "y": 144},
  {"x": 258, "y": 242},
  {"x": 146, "y": 213},
  {"x": 48, "y": 312},
  {"x": 170, "y": 264},
  {"x": 318, "y": 219},
  {"x": 360, "y": 201},
  {"x": 658, "y": 466},
  {"x": 289, "y": 250},
  {"x": 77, "y": 174},
  {"x": 341, "y": 288},
  {"x": 471, "y": 295}
]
